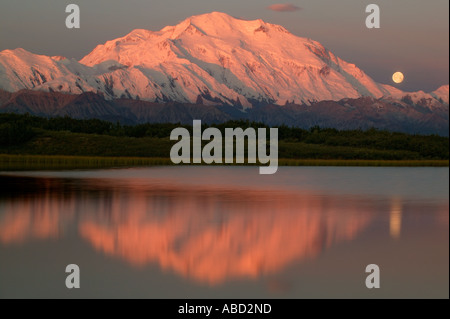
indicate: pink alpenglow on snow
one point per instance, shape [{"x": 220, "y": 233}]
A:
[{"x": 222, "y": 59}]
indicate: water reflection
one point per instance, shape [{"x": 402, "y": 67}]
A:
[
  {"x": 204, "y": 234},
  {"x": 213, "y": 238},
  {"x": 395, "y": 221}
]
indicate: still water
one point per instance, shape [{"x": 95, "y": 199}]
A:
[{"x": 225, "y": 232}]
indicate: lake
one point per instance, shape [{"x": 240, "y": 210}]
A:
[{"x": 225, "y": 232}]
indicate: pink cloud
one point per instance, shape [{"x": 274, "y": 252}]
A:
[{"x": 284, "y": 7}]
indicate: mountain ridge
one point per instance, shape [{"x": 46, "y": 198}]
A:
[
  {"x": 213, "y": 57},
  {"x": 361, "y": 113},
  {"x": 215, "y": 68}
]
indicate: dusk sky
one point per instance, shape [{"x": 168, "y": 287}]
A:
[{"x": 413, "y": 38}]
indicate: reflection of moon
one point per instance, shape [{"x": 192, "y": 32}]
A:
[{"x": 398, "y": 77}]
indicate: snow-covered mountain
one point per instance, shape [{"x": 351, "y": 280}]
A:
[
  {"x": 442, "y": 94},
  {"x": 206, "y": 59}
]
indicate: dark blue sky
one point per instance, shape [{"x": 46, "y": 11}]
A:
[{"x": 414, "y": 34}]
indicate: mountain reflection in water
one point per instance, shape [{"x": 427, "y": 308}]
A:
[
  {"x": 203, "y": 234},
  {"x": 206, "y": 234}
]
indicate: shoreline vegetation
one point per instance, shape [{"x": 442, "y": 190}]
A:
[
  {"x": 10, "y": 162},
  {"x": 34, "y": 143}
]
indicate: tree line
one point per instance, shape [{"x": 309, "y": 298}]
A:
[{"x": 16, "y": 129}]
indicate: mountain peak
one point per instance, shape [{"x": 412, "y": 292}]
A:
[
  {"x": 214, "y": 56},
  {"x": 442, "y": 93},
  {"x": 219, "y": 24},
  {"x": 15, "y": 52},
  {"x": 213, "y": 18},
  {"x": 22, "y": 54},
  {"x": 213, "y": 14}
]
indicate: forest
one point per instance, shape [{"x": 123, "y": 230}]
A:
[{"x": 33, "y": 135}]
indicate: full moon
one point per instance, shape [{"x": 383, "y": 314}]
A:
[{"x": 398, "y": 77}]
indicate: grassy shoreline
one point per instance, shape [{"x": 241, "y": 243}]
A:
[
  {"x": 101, "y": 144},
  {"x": 44, "y": 162}
]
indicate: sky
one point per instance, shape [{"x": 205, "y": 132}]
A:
[{"x": 413, "y": 38}]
